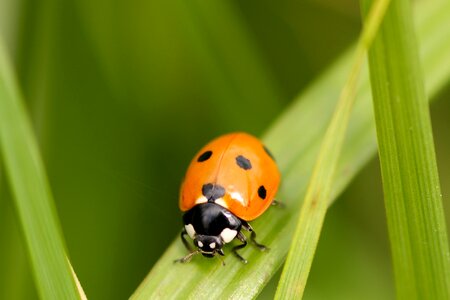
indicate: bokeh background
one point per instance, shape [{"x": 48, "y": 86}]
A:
[{"x": 123, "y": 93}]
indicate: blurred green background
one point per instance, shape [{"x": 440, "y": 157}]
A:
[{"x": 123, "y": 93}]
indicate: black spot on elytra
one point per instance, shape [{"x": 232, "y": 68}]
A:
[
  {"x": 212, "y": 191},
  {"x": 268, "y": 152},
  {"x": 243, "y": 162},
  {"x": 262, "y": 193},
  {"x": 204, "y": 156}
]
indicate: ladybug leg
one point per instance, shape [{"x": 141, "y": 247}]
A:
[
  {"x": 188, "y": 257},
  {"x": 249, "y": 228},
  {"x": 242, "y": 238},
  {"x": 221, "y": 259},
  {"x": 185, "y": 242},
  {"x": 261, "y": 247}
]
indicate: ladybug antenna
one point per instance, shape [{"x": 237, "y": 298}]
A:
[{"x": 187, "y": 258}]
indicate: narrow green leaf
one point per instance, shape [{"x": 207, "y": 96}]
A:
[
  {"x": 413, "y": 200},
  {"x": 312, "y": 215},
  {"x": 52, "y": 271},
  {"x": 295, "y": 139}
]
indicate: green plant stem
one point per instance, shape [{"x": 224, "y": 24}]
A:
[
  {"x": 301, "y": 254},
  {"x": 33, "y": 199},
  {"x": 412, "y": 193}
]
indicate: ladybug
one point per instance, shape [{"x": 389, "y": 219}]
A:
[{"x": 231, "y": 181}]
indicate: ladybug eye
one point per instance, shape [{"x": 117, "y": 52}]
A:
[
  {"x": 204, "y": 156},
  {"x": 200, "y": 244}
]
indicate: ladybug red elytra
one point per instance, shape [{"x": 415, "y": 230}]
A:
[{"x": 232, "y": 180}]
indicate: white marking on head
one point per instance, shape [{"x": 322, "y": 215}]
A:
[
  {"x": 201, "y": 199},
  {"x": 228, "y": 235},
  {"x": 238, "y": 197},
  {"x": 212, "y": 245},
  {"x": 190, "y": 230},
  {"x": 200, "y": 244},
  {"x": 221, "y": 202}
]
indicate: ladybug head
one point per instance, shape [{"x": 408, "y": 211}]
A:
[
  {"x": 211, "y": 226},
  {"x": 209, "y": 245}
]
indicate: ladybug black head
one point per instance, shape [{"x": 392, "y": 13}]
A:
[{"x": 208, "y": 245}]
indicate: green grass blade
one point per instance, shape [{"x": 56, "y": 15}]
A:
[
  {"x": 52, "y": 271},
  {"x": 312, "y": 215},
  {"x": 295, "y": 139},
  {"x": 413, "y": 199}
]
